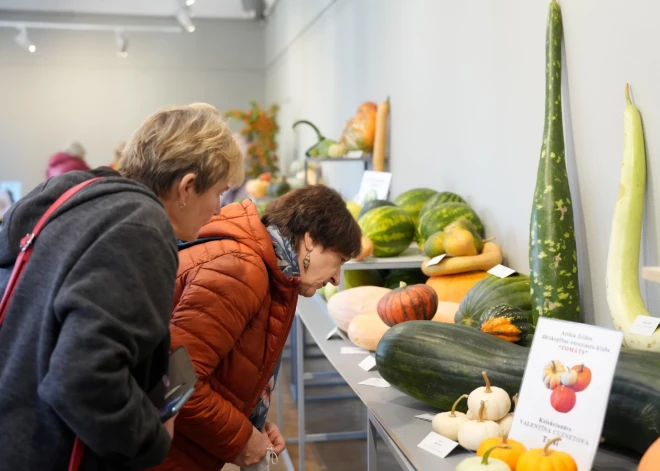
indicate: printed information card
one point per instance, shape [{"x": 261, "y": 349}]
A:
[{"x": 566, "y": 388}]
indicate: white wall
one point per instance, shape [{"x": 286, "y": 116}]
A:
[
  {"x": 74, "y": 87},
  {"x": 466, "y": 81}
]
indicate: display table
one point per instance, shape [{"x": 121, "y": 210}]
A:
[{"x": 391, "y": 414}]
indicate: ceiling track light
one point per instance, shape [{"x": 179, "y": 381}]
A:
[
  {"x": 184, "y": 15},
  {"x": 122, "y": 44},
  {"x": 23, "y": 40}
]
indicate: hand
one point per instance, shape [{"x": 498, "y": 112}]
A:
[
  {"x": 254, "y": 451},
  {"x": 169, "y": 426},
  {"x": 273, "y": 433}
]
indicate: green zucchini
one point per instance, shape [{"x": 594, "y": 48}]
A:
[
  {"x": 552, "y": 248},
  {"x": 437, "y": 362}
]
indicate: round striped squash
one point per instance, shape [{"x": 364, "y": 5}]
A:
[
  {"x": 408, "y": 303},
  {"x": 491, "y": 291},
  {"x": 439, "y": 217},
  {"x": 412, "y": 201},
  {"x": 389, "y": 228},
  {"x": 373, "y": 204}
]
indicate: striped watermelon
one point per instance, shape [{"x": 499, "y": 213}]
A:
[
  {"x": 440, "y": 198},
  {"x": 437, "y": 218},
  {"x": 411, "y": 201},
  {"x": 390, "y": 229}
]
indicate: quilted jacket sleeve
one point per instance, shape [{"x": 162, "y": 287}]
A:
[{"x": 216, "y": 304}]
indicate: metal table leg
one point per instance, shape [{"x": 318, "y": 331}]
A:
[
  {"x": 378, "y": 430},
  {"x": 301, "y": 392},
  {"x": 372, "y": 452}
]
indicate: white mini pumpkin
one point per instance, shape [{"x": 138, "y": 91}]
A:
[
  {"x": 498, "y": 402},
  {"x": 507, "y": 420},
  {"x": 473, "y": 432},
  {"x": 448, "y": 423}
]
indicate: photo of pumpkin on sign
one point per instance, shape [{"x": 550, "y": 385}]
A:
[{"x": 565, "y": 383}]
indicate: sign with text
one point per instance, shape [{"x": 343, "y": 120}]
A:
[
  {"x": 566, "y": 388},
  {"x": 375, "y": 184}
]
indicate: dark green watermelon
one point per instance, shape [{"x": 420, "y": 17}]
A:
[{"x": 373, "y": 204}]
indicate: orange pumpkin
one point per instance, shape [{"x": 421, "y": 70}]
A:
[
  {"x": 583, "y": 377},
  {"x": 453, "y": 288},
  {"x": 546, "y": 459},
  {"x": 509, "y": 455},
  {"x": 651, "y": 459},
  {"x": 360, "y": 130},
  {"x": 408, "y": 303}
]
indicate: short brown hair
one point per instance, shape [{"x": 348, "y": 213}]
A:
[
  {"x": 180, "y": 140},
  {"x": 322, "y": 212}
]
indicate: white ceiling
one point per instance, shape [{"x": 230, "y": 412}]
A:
[{"x": 200, "y": 9}]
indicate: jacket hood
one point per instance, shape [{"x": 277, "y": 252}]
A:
[
  {"x": 25, "y": 213},
  {"x": 241, "y": 221}
]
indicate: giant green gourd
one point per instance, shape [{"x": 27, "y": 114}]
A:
[
  {"x": 437, "y": 362},
  {"x": 622, "y": 279},
  {"x": 552, "y": 249}
]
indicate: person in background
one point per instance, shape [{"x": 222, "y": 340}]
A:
[
  {"x": 119, "y": 148},
  {"x": 72, "y": 158},
  {"x": 86, "y": 333},
  {"x": 235, "y": 300}
]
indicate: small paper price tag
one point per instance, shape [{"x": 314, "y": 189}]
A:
[
  {"x": 501, "y": 271},
  {"x": 368, "y": 363},
  {"x": 333, "y": 334},
  {"x": 645, "y": 325},
  {"x": 437, "y": 444},
  {"x": 353, "y": 351},
  {"x": 375, "y": 382},
  {"x": 435, "y": 260},
  {"x": 425, "y": 417},
  {"x": 354, "y": 154}
]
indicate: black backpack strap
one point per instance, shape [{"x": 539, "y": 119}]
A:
[{"x": 186, "y": 245}]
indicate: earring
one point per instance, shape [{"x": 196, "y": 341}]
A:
[
  {"x": 306, "y": 259},
  {"x": 182, "y": 204}
]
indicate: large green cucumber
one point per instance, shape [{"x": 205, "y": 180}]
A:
[
  {"x": 552, "y": 248},
  {"x": 437, "y": 362}
]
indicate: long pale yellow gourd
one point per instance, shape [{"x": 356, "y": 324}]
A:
[{"x": 622, "y": 279}]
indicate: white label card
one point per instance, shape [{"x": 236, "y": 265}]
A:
[
  {"x": 354, "y": 154},
  {"x": 375, "y": 382},
  {"x": 335, "y": 334},
  {"x": 426, "y": 417},
  {"x": 644, "y": 325},
  {"x": 368, "y": 363},
  {"x": 437, "y": 444},
  {"x": 501, "y": 271},
  {"x": 353, "y": 351},
  {"x": 435, "y": 260}
]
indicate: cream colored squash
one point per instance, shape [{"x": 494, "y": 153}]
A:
[
  {"x": 446, "y": 312},
  {"x": 347, "y": 304},
  {"x": 448, "y": 423},
  {"x": 366, "y": 330}
]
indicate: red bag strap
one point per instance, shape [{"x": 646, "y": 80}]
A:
[{"x": 21, "y": 261}]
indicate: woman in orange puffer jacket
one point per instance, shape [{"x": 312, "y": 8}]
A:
[{"x": 235, "y": 299}]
